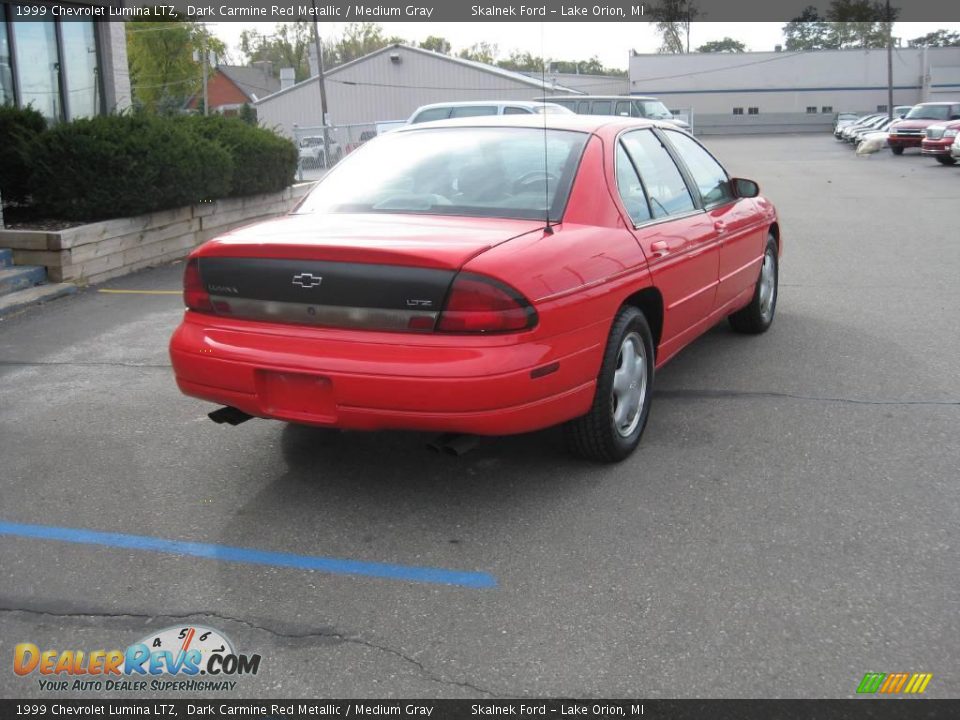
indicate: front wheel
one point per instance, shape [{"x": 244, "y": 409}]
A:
[
  {"x": 611, "y": 430},
  {"x": 946, "y": 160},
  {"x": 757, "y": 317},
  {"x": 896, "y": 149}
]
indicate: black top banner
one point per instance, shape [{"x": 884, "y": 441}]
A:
[
  {"x": 589, "y": 709},
  {"x": 468, "y": 10}
]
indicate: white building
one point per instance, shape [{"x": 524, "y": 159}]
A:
[
  {"x": 389, "y": 84},
  {"x": 766, "y": 89}
]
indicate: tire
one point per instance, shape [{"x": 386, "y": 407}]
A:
[
  {"x": 896, "y": 149},
  {"x": 946, "y": 160},
  {"x": 757, "y": 317},
  {"x": 603, "y": 434}
]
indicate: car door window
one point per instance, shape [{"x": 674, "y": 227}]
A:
[
  {"x": 631, "y": 189},
  {"x": 473, "y": 111},
  {"x": 710, "y": 177},
  {"x": 511, "y": 110},
  {"x": 665, "y": 186},
  {"x": 583, "y": 107},
  {"x": 601, "y": 107},
  {"x": 432, "y": 114},
  {"x": 623, "y": 107}
]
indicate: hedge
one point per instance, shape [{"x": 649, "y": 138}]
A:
[
  {"x": 120, "y": 165},
  {"x": 19, "y": 129},
  {"x": 262, "y": 161}
]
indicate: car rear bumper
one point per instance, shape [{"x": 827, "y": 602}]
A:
[{"x": 373, "y": 381}]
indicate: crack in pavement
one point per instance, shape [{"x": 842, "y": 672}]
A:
[
  {"x": 707, "y": 393},
  {"x": 332, "y": 634}
]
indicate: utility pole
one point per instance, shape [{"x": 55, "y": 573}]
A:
[
  {"x": 889, "y": 63},
  {"x": 323, "y": 88},
  {"x": 203, "y": 65}
]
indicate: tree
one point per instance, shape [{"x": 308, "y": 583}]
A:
[
  {"x": 480, "y": 52},
  {"x": 849, "y": 24},
  {"x": 727, "y": 45},
  {"x": 940, "y": 38},
  {"x": 357, "y": 40},
  {"x": 522, "y": 62},
  {"x": 672, "y": 20},
  {"x": 163, "y": 72},
  {"x": 437, "y": 44},
  {"x": 807, "y": 31},
  {"x": 288, "y": 46}
]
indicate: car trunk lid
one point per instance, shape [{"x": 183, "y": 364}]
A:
[{"x": 375, "y": 272}]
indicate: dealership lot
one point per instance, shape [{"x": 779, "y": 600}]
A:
[{"x": 788, "y": 523}]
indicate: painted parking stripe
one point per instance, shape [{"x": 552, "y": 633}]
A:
[
  {"x": 229, "y": 553},
  {"x": 141, "y": 292}
]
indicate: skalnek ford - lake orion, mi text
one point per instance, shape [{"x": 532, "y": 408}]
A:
[{"x": 611, "y": 11}]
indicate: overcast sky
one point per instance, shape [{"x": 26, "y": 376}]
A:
[{"x": 611, "y": 42}]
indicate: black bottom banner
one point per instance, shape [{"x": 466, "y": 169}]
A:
[{"x": 865, "y": 708}]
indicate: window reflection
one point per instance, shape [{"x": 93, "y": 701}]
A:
[
  {"x": 6, "y": 76},
  {"x": 80, "y": 68},
  {"x": 38, "y": 66}
]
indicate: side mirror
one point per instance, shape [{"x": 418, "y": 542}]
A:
[{"x": 744, "y": 188}]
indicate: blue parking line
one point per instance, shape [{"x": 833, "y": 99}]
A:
[{"x": 229, "y": 553}]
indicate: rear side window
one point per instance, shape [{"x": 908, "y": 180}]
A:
[
  {"x": 631, "y": 189},
  {"x": 623, "y": 107},
  {"x": 441, "y": 113},
  {"x": 666, "y": 189},
  {"x": 473, "y": 111},
  {"x": 710, "y": 177},
  {"x": 511, "y": 110},
  {"x": 601, "y": 107},
  {"x": 583, "y": 107}
]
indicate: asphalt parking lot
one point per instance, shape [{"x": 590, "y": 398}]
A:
[{"x": 789, "y": 523}]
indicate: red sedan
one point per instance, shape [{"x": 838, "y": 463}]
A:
[{"x": 482, "y": 276}]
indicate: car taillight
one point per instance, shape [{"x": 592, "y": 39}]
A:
[
  {"x": 195, "y": 295},
  {"x": 478, "y": 304}
]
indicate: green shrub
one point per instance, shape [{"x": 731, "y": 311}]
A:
[
  {"x": 119, "y": 165},
  {"x": 262, "y": 160},
  {"x": 19, "y": 130}
]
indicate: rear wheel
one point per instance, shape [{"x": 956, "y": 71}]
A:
[
  {"x": 621, "y": 403},
  {"x": 946, "y": 160},
  {"x": 896, "y": 149},
  {"x": 757, "y": 317}
]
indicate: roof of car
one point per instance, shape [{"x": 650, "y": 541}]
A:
[
  {"x": 580, "y": 123},
  {"x": 550, "y": 98},
  {"x": 475, "y": 103}
]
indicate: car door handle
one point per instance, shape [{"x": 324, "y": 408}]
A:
[
  {"x": 720, "y": 226},
  {"x": 659, "y": 248}
]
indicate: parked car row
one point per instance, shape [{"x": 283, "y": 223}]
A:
[{"x": 933, "y": 127}]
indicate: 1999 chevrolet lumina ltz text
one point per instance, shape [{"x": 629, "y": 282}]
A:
[{"x": 485, "y": 276}]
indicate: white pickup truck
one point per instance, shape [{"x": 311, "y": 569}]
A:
[{"x": 312, "y": 152}]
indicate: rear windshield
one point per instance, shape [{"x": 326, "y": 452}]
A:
[{"x": 482, "y": 172}]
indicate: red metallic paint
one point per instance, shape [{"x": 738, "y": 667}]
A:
[{"x": 576, "y": 277}]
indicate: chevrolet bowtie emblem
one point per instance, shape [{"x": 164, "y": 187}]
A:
[{"x": 307, "y": 280}]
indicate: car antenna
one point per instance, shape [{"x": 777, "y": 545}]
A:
[{"x": 547, "y": 229}]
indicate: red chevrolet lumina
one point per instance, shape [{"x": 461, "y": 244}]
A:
[{"x": 482, "y": 276}]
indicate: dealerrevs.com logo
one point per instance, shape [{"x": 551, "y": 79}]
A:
[{"x": 183, "y": 653}]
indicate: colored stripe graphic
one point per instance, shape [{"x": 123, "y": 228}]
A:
[
  {"x": 918, "y": 683},
  {"x": 251, "y": 556},
  {"x": 871, "y": 682},
  {"x": 893, "y": 683}
]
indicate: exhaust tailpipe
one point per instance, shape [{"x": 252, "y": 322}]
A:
[
  {"x": 229, "y": 415},
  {"x": 454, "y": 444}
]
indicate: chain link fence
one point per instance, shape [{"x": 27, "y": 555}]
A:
[{"x": 319, "y": 152}]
